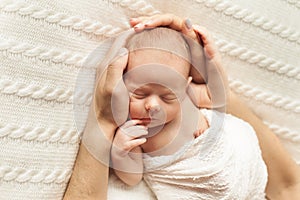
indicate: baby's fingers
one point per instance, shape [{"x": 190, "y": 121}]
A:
[
  {"x": 134, "y": 143},
  {"x": 135, "y": 131},
  {"x": 127, "y": 146},
  {"x": 130, "y": 123},
  {"x": 132, "y": 129}
]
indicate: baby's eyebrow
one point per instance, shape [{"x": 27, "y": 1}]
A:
[{"x": 143, "y": 87}]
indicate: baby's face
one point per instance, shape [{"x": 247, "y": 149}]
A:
[{"x": 157, "y": 83}]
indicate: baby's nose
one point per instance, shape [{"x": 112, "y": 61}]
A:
[{"x": 152, "y": 104}]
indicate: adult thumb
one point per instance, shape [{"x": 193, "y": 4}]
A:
[{"x": 115, "y": 69}]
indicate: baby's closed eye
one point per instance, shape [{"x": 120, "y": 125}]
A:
[
  {"x": 138, "y": 95},
  {"x": 168, "y": 97}
]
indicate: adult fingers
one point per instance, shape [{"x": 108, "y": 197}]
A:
[
  {"x": 115, "y": 70},
  {"x": 111, "y": 93},
  {"x": 137, "y": 20},
  {"x": 217, "y": 81},
  {"x": 197, "y": 55},
  {"x": 210, "y": 48},
  {"x": 168, "y": 20},
  {"x": 217, "y": 84},
  {"x": 187, "y": 29},
  {"x": 108, "y": 77},
  {"x": 198, "y": 70},
  {"x": 199, "y": 95}
]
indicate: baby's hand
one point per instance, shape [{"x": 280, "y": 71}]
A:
[{"x": 127, "y": 139}]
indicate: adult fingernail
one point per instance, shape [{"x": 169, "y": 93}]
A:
[
  {"x": 188, "y": 23},
  {"x": 148, "y": 22},
  {"x": 138, "y": 26},
  {"x": 122, "y": 52}
]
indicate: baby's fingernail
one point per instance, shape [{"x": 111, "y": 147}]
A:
[
  {"x": 188, "y": 23},
  {"x": 122, "y": 52}
]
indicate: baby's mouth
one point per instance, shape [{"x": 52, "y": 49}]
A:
[{"x": 145, "y": 121}]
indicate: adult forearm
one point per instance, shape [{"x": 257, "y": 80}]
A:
[
  {"x": 90, "y": 175},
  {"x": 283, "y": 172},
  {"x": 292, "y": 193},
  {"x": 89, "y": 179}
]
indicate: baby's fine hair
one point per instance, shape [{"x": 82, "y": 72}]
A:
[{"x": 160, "y": 38}]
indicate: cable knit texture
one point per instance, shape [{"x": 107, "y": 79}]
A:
[{"x": 43, "y": 48}]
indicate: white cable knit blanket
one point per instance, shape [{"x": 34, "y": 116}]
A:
[
  {"x": 224, "y": 162},
  {"x": 44, "y": 43}
]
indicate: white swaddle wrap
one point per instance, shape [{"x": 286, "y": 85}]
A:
[{"x": 229, "y": 167}]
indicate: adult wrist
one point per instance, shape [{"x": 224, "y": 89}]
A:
[{"x": 98, "y": 136}]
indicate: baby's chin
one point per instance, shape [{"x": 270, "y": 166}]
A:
[
  {"x": 149, "y": 123},
  {"x": 157, "y": 124}
]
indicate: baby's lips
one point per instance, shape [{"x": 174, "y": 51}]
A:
[
  {"x": 146, "y": 121},
  {"x": 142, "y": 121}
]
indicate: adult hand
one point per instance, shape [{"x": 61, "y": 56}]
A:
[
  {"x": 108, "y": 108},
  {"x": 111, "y": 96},
  {"x": 167, "y": 20},
  {"x": 90, "y": 177}
]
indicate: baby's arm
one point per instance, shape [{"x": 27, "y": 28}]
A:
[{"x": 126, "y": 153}]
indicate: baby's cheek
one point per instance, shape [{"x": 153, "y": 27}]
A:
[
  {"x": 172, "y": 110},
  {"x": 135, "y": 109}
]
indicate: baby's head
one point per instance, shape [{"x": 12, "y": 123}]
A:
[
  {"x": 157, "y": 75},
  {"x": 159, "y": 45}
]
